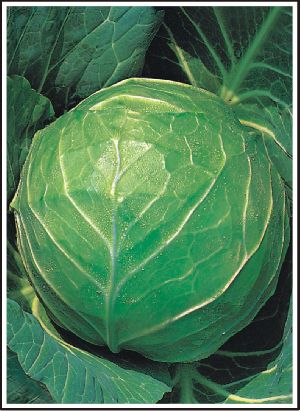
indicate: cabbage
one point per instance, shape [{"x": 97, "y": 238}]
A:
[{"x": 149, "y": 219}]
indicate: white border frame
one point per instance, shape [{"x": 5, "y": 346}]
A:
[{"x": 4, "y": 219}]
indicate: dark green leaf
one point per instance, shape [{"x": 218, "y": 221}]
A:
[
  {"x": 240, "y": 53},
  {"x": 273, "y": 385},
  {"x": 67, "y": 53},
  {"x": 21, "y": 389}
]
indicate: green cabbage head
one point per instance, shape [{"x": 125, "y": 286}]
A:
[{"x": 149, "y": 220}]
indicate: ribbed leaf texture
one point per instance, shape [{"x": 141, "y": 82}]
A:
[{"x": 67, "y": 53}]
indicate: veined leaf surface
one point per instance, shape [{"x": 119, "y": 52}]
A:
[
  {"x": 71, "y": 375},
  {"x": 67, "y": 53}
]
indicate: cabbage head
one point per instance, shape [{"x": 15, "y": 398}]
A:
[{"x": 150, "y": 220}]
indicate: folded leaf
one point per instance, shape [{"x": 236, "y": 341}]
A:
[
  {"x": 27, "y": 112},
  {"x": 71, "y": 375},
  {"x": 274, "y": 126}
]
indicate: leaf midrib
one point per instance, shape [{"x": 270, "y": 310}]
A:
[{"x": 240, "y": 71}]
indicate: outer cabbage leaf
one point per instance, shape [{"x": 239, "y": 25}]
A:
[
  {"x": 67, "y": 53},
  {"x": 75, "y": 376},
  {"x": 183, "y": 221},
  {"x": 274, "y": 385},
  {"x": 27, "y": 112},
  {"x": 21, "y": 389},
  {"x": 246, "y": 59},
  {"x": 274, "y": 125}
]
